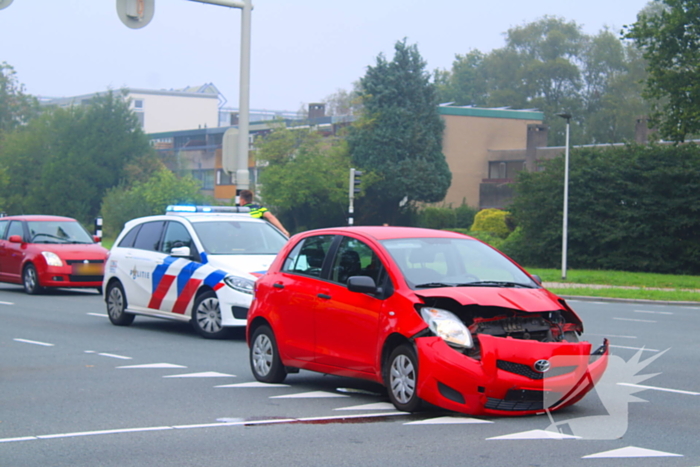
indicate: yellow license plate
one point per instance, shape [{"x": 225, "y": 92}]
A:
[{"x": 88, "y": 269}]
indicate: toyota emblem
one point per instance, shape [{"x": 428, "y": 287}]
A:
[{"x": 542, "y": 366}]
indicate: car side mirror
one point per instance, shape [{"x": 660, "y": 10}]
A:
[
  {"x": 15, "y": 239},
  {"x": 96, "y": 239},
  {"x": 181, "y": 252},
  {"x": 537, "y": 279},
  {"x": 362, "y": 284}
]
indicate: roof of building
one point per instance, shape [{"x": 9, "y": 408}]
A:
[{"x": 500, "y": 112}]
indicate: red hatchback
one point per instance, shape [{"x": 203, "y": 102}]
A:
[
  {"x": 49, "y": 251},
  {"x": 433, "y": 315}
]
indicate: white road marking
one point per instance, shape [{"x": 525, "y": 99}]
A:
[
  {"x": 610, "y": 335},
  {"x": 204, "y": 425},
  {"x": 34, "y": 342},
  {"x": 111, "y": 355},
  {"x": 633, "y": 348},
  {"x": 253, "y": 384},
  {"x": 101, "y": 315},
  {"x": 376, "y": 406},
  {"x": 654, "y": 312},
  {"x": 631, "y": 451},
  {"x": 448, "y": 421},
  {"x": 637, "y": 320},
  {"x": 309, "y": 395},
  {"x": 206, "y": 374},
  {"x": 678, "y": 391},
  {"x": 536, "y": 434},
  {"x": 153, "y": 365},
  {"x": 6, "y": 303}
]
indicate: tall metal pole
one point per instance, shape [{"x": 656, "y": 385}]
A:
[{"x": 565, "y": 227}]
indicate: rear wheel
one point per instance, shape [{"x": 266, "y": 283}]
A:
[
  {"x": 402, "y": 379},
  {"x": 116, "y": 304},
  {"x": 30, "y": 280},
  {"x": 264, "y": 357},
  {"x": 206, "y": 316}
]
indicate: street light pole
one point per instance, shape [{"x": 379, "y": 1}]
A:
[
  {"x": 246, "y": 6},
  {"x": 565, "y": 226}
]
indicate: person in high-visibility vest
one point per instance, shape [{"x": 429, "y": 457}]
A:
[{"x": 260, "y": 212}]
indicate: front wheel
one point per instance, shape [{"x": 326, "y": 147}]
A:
[
  {"x": 206, "y": 316},
  {"x": 116, "y": 304},
  {"x": 30, "y": 280},
  {"x": 402, "y": 379},
  {"x": 265, "y": 359}
]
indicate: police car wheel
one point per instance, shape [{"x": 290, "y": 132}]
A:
[
  {"x": 116, "y": 304},
  {"x": 264, "y": 358},
  {"x": 206, "y": 316}
]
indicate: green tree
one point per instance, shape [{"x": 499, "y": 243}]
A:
[
  {"x": 64, "y": 162},
  {"x": 306, "y": 178},
  {"x": 16, "y": 107},
  {"x": 465, "y": 83},
  {"x": 669, "y": 36},
  {"x": 399, "y": 136}
]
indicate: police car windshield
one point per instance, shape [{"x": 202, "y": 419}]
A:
[{"x": 235, "y": 237}]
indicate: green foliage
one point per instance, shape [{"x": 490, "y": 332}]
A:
[
  {"x": 65, "y": 161},
  {"x": 631, "y": 208},
  {"x": 669, "y": 36},
  {"x": 147, "y": 198},
  {"x": 306, "y": 180},
  {"x": 437, "y": 218},
  {"x": 492, "y": 221},
  {"x": 16, "y": 107},
  {"x": 551, "y": 65},
  {"x": 399, "y": 136}
]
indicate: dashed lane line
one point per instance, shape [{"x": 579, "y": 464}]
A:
[
  {"x": 633, "y": 348},
  {"x": 636, "y": 320},
  {"x": 677, "y": 391},
  {"x": 26, "y": 341}
]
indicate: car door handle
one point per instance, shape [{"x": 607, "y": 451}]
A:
[
  {"x": 277, "y": 285},
  {"x": 323, "y": 295}
]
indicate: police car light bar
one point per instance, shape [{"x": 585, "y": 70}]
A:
[{"x": 204, "y": 209}]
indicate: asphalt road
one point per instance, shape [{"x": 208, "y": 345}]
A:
[{"x": 77, "y": 391}]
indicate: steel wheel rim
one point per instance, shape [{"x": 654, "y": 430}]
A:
[
  {"x": 403, "y": 379},
  {"x": 30, "y": 278},
  {"x": 208, "y": 315},
  {"x": 115, "y": 303},
  {"x": 262, "y": 355}
]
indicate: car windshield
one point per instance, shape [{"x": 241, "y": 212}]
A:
[
  {"x": 57, "y": 232},
  {"x": 454, "y": 262},
  {"x": 234, "y": 237}
]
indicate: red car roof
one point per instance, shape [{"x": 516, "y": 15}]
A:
[
  {"x": 38, "y": 217},
  {"x": 390, "y": 232}
]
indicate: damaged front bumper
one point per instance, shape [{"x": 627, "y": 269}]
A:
[{"x": 512, "y": 376}]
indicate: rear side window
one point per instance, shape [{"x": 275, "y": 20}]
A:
[
  {"x": 128, "y": 240},
  {"x": 3, "y": 227},
  {"x": 148, "y": 237},
  {"x": 308, "y": 256},
  {"x": 15, "y": 229}
]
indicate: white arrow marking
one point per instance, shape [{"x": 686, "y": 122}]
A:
[
  {"x": 154, "y": 365},
  {"x": 254, "y": 384},
  {"x": 659, "y": 389},
  {"x": 205, "y": 374},
  {"x": 631, "y": 451},
  {"x": 536, "y": 434},
  {"x": 448, "y": 421},
  {"x": 309, "y": 395}
]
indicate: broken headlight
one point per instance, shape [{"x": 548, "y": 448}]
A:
[{"x": 447, "y": 326}]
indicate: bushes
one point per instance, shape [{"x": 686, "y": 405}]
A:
[{"x": 492, "y": 221}]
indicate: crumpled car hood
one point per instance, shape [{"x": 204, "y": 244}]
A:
[{"x": 521, "y": 299}]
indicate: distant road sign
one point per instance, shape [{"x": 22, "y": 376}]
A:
[{"x": 135, "y": 14}]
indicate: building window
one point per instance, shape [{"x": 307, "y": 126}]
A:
[
  {"x": 505, "y": 169},
  {"x": 206, "y": 177},
  {"x": 223, "y": 178},
  {"x": 138, "y": 104}
]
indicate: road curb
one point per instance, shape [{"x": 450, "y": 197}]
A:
[{"x": 625, "y": 300}]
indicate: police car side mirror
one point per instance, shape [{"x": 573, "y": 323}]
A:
[{"x": 181, "y": 252}]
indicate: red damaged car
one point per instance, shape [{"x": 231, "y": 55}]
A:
[{"x": 434, "y": 316}]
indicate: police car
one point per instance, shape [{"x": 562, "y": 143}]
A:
[{"x": 195, "y": 263}]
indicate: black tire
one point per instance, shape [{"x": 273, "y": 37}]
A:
[
  {"x": 206, "y": 317},
  {"x": 116, "y": 304},
  {"x": 265, "y": 360},
  {"x": 402, "y": 379},
  {"x": 30, "y": 280}
]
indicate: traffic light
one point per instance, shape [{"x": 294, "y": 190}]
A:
[{"x": 355, "y": 181}]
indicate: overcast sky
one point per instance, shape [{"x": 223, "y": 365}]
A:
[{"x": 302, "y": 50}]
